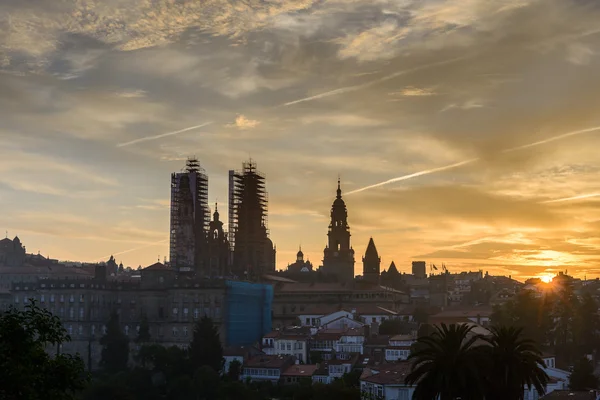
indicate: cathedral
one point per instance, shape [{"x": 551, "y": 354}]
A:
[{"x": 338, "y": 256}]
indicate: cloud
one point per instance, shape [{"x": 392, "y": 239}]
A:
[
  {"x": 163, "y": 135},
  {"x": 241, "y": 122},
  {"x": 414, "y": 92}
]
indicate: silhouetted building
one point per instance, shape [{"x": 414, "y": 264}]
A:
[
  {"x": 371, "y": 263},
  {"x": 419, "y": 269},
  {"x": 300, "y": 266},
  {"x": 438, "y": 289},
  {"x": 253, "y": 251},
  {"x": 190, "y": 218},
  {"x": 12, "y": 252},
  {"x": 338, "y": 256},
  {"x": 218, "y": 247}
]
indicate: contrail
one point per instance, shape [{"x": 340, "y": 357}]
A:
[
  {"x": 374, "y": 82},
  {"x": 461, "y": 163},
  {"x": 580, "y": 197},
  {"x": 552, "y": 139},
  {"x": 130, "y": 250},
  {"x": 162, "y": 135},
  {"x": 414, "y": 175}
]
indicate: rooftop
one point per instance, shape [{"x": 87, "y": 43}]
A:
[
  {"x": 300, "y": 370},
  {"x": 264, "y": 361},
  {"x": 570, "y": 395},
  {"x": 387, "y": 374}
]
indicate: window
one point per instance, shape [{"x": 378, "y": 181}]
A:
[
  {"x": 62, "y": 298},
  {"x": 300, "y": 346},
  {"x": 380, "y": 391},
  {"x": 62, "y": 311},
  {"x": 93, "y": 329},
  {"x": 70, "y": 329},
  {"x": 104, "y": 329},
  {"x": 307, "y": 321},
  {"x": 80, "y": 330},
  {"x": 217, "y": 312},
  {"x": 71, "y": 312},
  {"x": 185, "y": 312},
  {"x": 81, "y": 298},
  {"x": 185, "y": 331},
  {"x": 81, "y": 312},
  {"x": 17, "y": 299},
  {"x": 175, "y": 311},
  {"x": 127, "y": 330},
  {"x": 289, "y": 346},
  {"x": 175, "y": 331},
  {"x": 196, "y": 313},
  {"x": 71, "y": 299},
  {"x": 42, "y": 298},
  {"x": 51, "y": 298}
]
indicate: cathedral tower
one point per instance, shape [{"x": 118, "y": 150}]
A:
[
  {"x": 338, "y": 256},
  {"x": 371, "y": 263},
  {"x": 218, "y": 247}
]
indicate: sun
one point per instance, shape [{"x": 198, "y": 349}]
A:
[{"x": 547, "y": 278}]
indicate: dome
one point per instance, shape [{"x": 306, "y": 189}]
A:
[{"x": 300, "y": 254}]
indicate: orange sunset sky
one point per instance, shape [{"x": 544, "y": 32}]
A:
[{"x": 465, "y": 131}]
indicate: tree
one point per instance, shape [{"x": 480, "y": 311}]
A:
[
  {"x": 515, "y": 362},
  {"x": 235, "y": 370},
  {"x": 582, "y": 377},
  {"x": 447, "y": 364},
  {"x": 115, "y": 347},
  {"x": 206, "y": 348},
  {"x": 27, "y": 371},
  {"x": 143, "y": 335}
]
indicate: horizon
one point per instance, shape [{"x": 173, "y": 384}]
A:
[{"x": 464, "y": 131}]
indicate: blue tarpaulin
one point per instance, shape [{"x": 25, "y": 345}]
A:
[{"x": 248, "y": 312}]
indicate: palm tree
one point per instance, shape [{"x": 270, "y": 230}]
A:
[
  {"x": 447, "y": 365},
  {"x": 516, "y": 362}
]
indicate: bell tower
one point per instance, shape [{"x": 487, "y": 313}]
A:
[{"x": 338, "y": 256}]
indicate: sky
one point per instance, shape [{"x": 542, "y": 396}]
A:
[{"x": 465, "y": 132}]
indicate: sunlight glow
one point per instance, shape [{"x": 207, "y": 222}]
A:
[{"x": 546, "y": 278}]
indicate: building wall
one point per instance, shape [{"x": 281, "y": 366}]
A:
[{"x": 84, "y": 307}]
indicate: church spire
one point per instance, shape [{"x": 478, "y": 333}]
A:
[{"x": 339, "y": 189}]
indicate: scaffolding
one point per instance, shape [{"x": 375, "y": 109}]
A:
[
  {"x": 248, "y": 219},
  {"x": 190, "y": 216}
]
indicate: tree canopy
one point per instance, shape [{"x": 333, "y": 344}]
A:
[
  {"x": 115, "y": 347},
  {"x": 27, "y": 370}
]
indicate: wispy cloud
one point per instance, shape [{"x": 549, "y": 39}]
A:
[
  {"x": 163, "y": 135},
  {"x": 572, "y": 198},
  {"x": 470, "y": 161},
  {"x": 354, "y": 88},
  {"x": 414, "y": 175},
  {"x": 241, "y": 122}
]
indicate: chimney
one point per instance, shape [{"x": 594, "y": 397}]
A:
[{"x": 375, "y": 328}]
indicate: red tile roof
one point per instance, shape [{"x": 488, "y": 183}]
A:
[
  {"x": 300, "y": 370},
  {"x": 268, "y": 361},
  {"x": 387, "y": 374}
]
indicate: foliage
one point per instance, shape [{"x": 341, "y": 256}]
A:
[
  {"x": 395, "y": 327},
  {"x": 206, "y": 348},
  {"x": 115, "y": 347},
  {"x": 235, "y": 370},
  {"x": 559, "y": 321},
  {"x": 515, "y": 362},
  {"x": 143, "y": 335},
  {"x": 447, "y": 365},
  {"x": 27, "y": 371},
  {"x": 582, "y": 377},
  {"x": 316, "y": 357}
]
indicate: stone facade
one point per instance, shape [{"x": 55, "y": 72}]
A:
[{"x": 170, "y": 303}]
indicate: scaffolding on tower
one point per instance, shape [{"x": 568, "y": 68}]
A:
[
  {"x": 190, "y": 215},
  {"x": 248, "y": 232}
]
